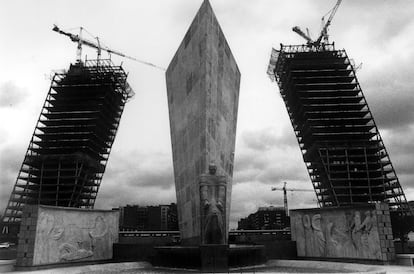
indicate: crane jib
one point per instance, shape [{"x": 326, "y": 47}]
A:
[{"x": 81, "y": 41}]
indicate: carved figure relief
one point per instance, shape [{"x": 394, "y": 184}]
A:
[
  {"x": 314, "y": 236},
  {"x": 67, "y": 239},
  {"x": 319, "y": 237},
  {"x": 70, "y": 252},
  {"x": 352, "y": 234},
  {"x": 100, "y": 229},
  {"x": 213, "y": 208},
  {"x": 74, "y": 246},
  {"x": 339, "y": 240},
  {"x": 100, "y": 237}
]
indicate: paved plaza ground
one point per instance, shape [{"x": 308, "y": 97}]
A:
[{"x": 272, "y": 266}]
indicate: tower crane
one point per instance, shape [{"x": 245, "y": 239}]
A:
[
  {"x": 324, "y": 31},
  {"x": 285, "y": 190},
  {"x": 77, "y": 38}
]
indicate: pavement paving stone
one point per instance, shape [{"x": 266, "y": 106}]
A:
[{"x": 272, "y": 266}]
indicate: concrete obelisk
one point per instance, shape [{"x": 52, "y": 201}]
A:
[{"x": 203, "y": 83}]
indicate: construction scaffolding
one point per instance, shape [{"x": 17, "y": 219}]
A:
[
  {"x": 72, "y": 140},
  {"x": 340, "y": 142}
]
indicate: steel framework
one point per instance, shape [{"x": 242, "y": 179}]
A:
[
  {"x": 72, "y": 140},
  {"x": 340, "y": 142}
]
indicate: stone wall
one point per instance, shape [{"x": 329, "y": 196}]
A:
[
  {"x": 50, "y": 235},
  {"x": 359, "y": 232}
]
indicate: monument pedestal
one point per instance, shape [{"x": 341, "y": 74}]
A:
[
  {"x": 209, "y": 258},
  {"x": 214, "y": 257},
  {"x": 187, "y": 257}
]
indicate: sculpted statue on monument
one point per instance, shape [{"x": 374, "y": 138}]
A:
[{"x": 213, "y": 207}]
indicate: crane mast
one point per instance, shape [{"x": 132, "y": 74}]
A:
[
  {"x": 285, "y": 190},
  {"x": 324, "y": 31}
]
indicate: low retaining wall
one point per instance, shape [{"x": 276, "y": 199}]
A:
[
  {"x": 53, "y": 235},
  {"x": 277, "y": 245},
  {"x": 359, "y": 232},
  {"x": 7, "y": 265}
]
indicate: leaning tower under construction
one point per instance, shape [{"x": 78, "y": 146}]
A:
[
  {"x": 340, "y": 142},
  {"x": 70, "y": 146}
]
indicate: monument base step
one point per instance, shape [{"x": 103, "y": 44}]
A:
[{"x": 209, "y": 257}]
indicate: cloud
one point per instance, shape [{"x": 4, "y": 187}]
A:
[
  {"x": 268, "y": 138},
  {"x": 140, "y": 178},
  {"x": 395, "y": 113},
  {"x": 400, "y": 146},
  {"x": 118, "y": 194},
  {"x": 380, "y": 39},
  {"x": 11, "y": 94},
  {"x": 260, "y": 195},
  {"x": 3, "y": 136},
  {"x": 390, "y": 96},
  {"x": 400, "y": 142},
  {"x": 264, "y": 158},
  {"x": 10, "y": 161},
  {"x": 394, "y": 17},
  {"x": 137, "y": 178},
  {"x": 386, "y": 76},
  {"x": 268, "y": 156},
  {"x": 141, "y": 169}
]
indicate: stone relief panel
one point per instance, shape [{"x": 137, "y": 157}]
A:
[
  {"x": 337, "y": 233},
  {"x": 213, "y": 208},
  {"x": 65, "y": 235}
]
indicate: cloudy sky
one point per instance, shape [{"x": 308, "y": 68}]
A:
[{"x": 378, "y": 34}]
